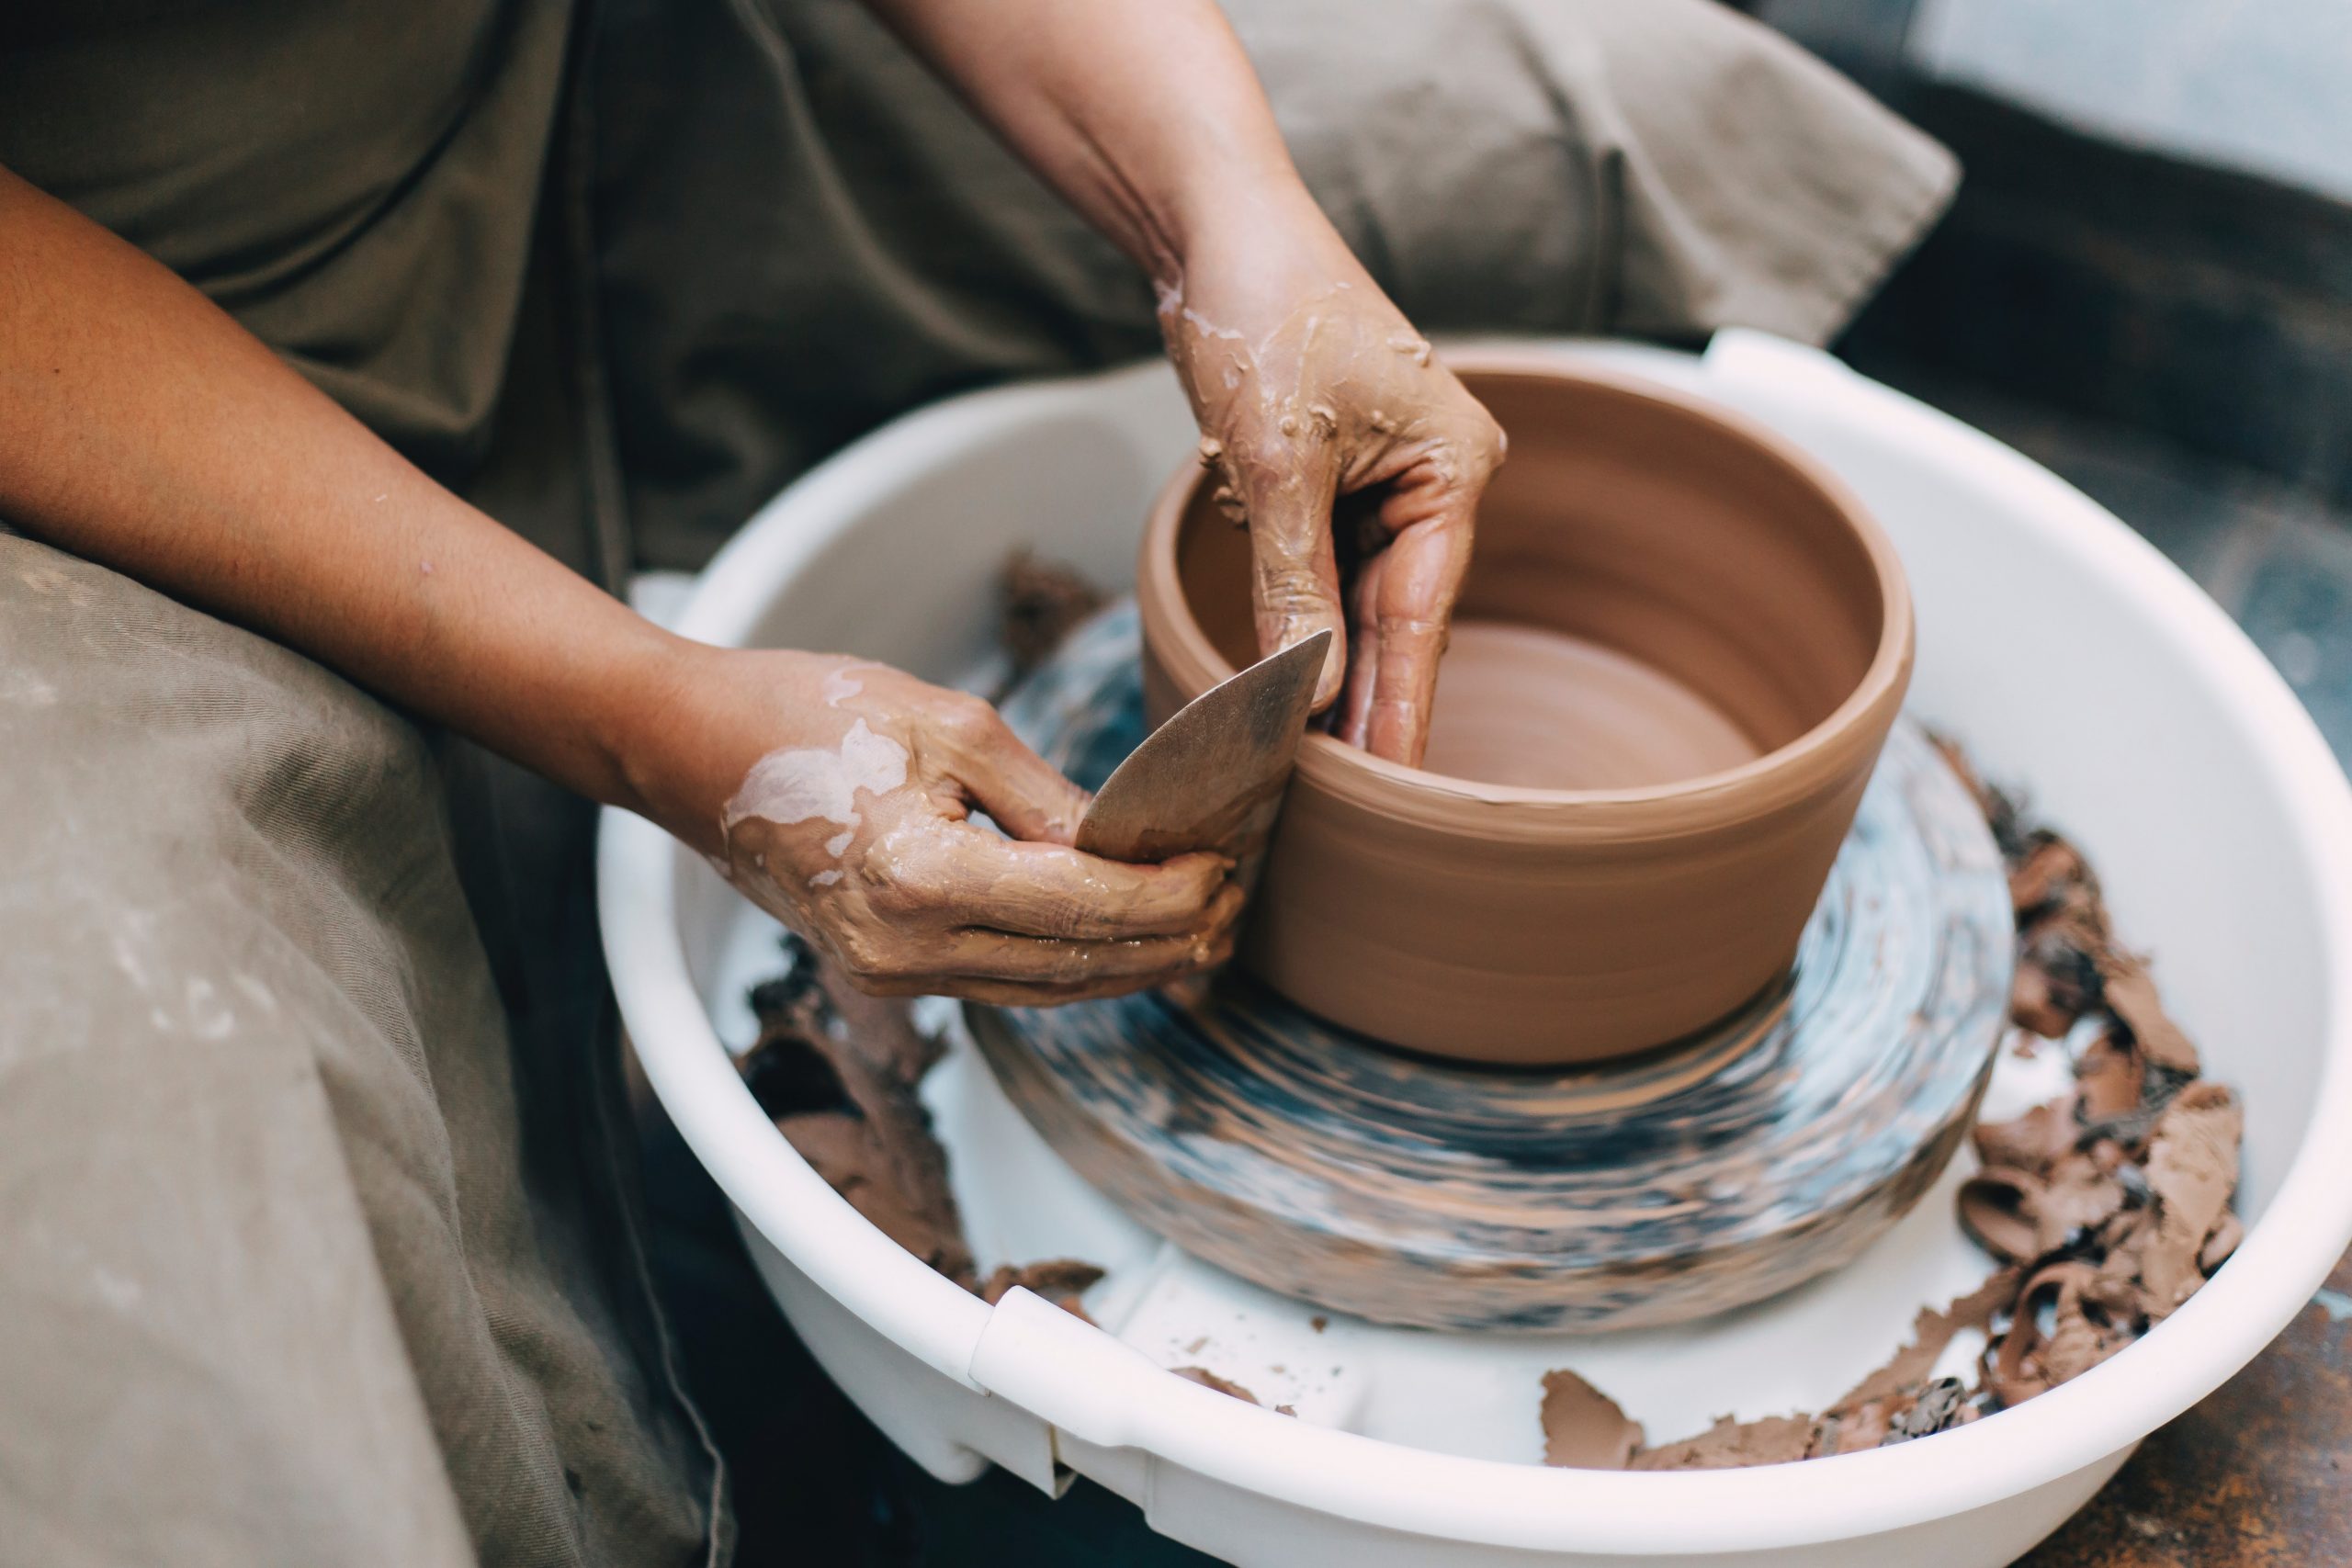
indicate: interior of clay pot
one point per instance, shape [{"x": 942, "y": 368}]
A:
[{"x": 1657, "y": 594}]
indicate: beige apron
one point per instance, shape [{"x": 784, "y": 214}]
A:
[{"x": 319, "y": 1233}]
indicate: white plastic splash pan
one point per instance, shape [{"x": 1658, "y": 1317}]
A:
[{"x": 2065, "y": 652}]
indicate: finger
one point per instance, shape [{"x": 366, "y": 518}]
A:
[
  {"x": 1046, "y": 890},
  {"x": 1069, "y": 961},
  {"x": 1026, "y": 994},
  {"x": 1295, "y": 577},
  {"x": 1413, "y": 598},
  {"x": 1035, "y": 971},
  {"x": 1023, "y": 794},
  {"x": 1364, "y": 654}
]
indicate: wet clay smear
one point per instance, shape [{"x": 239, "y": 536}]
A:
[
  {"x": 1061, "y": 1280},
  {"x": 1227, "y": 1386},
  {"x": 1039, "y": 602},
  {"x": 837, "y": 1071},
  {"x": 2106, "y": 1208}
]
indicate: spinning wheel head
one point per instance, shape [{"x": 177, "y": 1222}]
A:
[{"x": 1706, "y": 1174}]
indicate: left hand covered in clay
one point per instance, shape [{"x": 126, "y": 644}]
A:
[
  {"x": 1347, "y": 450},
  {"x": 837, "y": 795}
]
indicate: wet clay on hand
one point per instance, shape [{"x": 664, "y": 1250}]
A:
[
  {"x": 1679, "y": 647},
  {"x": 1308, "y": 397},
  {"x": 851, "y": 821}
]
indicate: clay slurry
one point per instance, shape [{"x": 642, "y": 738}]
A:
[{"x": 1535, "y": 708}]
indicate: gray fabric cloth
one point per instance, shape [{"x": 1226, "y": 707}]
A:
[
  {"x": 376, "y": 191},
  {"x": 316, "y": 1223},
  {"x": 300, "y": 1263}
]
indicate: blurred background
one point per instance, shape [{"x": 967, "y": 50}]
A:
[{"x": 2146, "y": 282}]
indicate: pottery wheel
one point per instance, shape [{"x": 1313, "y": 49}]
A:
[{"x": 1700, "y": 1177}]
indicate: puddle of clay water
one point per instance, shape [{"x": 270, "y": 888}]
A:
[{"x": 1533, "y": 708}]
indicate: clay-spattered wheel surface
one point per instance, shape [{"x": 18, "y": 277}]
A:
[{"x": 1701, "y": 1177}]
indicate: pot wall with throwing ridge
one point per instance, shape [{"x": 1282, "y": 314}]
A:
[{"x": 1514, "y": 924}]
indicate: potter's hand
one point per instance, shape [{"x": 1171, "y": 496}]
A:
[
  {"x": 1311, "y": 388},
  {"x": 837, "y": 795},
  {"x": 1308, "y": 382}
]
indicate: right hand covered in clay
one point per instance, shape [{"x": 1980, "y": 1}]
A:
[
  {"x": 1345, "y": 448},
  {"x": 838, "y": 795}
]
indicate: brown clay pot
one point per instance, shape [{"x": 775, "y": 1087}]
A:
[{"x": 1737, "y": 639}]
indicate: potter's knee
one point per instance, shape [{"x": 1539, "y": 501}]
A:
[{"x": 122, "y": 702}]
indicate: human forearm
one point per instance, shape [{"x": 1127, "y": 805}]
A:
[
  {"x": 1144, "y": 114},
  {"x": 1308, "y": 383},
  {"x": 141, "y": 428}
]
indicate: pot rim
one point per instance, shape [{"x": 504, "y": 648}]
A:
[{"x": 1791, "y": 771}]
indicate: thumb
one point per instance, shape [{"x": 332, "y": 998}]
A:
[
  {"x": 1023, "y": 794},
  {"x": 1295, "y": 577}
]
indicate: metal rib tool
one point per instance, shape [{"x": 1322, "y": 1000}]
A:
[{"x": 1212, "y": 776}]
